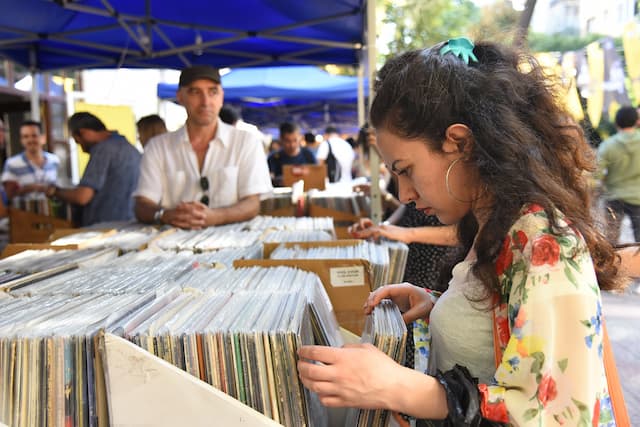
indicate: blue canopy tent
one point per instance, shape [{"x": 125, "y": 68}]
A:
[
  {"x": 307, "y": 95},
  {"x": 289, "y": 83},
  {"x": 72, "y": 34}
]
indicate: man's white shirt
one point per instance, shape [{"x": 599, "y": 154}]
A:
[{"x": 235, "y": 166}]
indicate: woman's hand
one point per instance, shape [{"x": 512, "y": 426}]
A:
[
  {"x": 413, "y": 301},
  {"x": 356, "y": 376},
  {"x": 365, "y": 229}
]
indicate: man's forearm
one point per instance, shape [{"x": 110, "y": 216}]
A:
[
  {"x": 145, "y": 210},
  {"x": 243, "y": 210},
  {"x": 78, "y": 196}
]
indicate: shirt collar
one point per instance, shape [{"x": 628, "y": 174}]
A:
[{"x": 222, "y": 134}]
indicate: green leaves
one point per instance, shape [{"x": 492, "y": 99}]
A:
[
  {"x": 563, "y": 364},
  {"x": 530, "y": 414}
]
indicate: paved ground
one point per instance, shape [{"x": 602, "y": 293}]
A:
[{"x": 622, "y": 314}]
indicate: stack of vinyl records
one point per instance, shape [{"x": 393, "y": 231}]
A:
[
  {"x": 280, "y": 236},
  {"x": 356, "y": 204},
  {"x": 240, "y": 234},
  {"x": 378, "y": 257},
  {"x": 40, "y": 204},
  {"x": 146, "y": 271},
  {"x": 208, "y": 239},
  {"x": 398, "y": 254},
  {"x": 32, "y": 265},
  {"x": 130, "y": 237},
  {"x": 266, "y": 223},
  {"x": 280, "y": 198},
  {"x": 385, "y": 329},
  {"x": 50, "y": 371},
  {"x": 243, "y": 341}
]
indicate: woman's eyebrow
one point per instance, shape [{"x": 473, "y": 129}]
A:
[{"x": 394, "y": 166}]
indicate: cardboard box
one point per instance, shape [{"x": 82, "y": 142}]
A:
[
  {"x": 347, "y": 281},
  {"x": 313, "y": 176},
  {"x": 28, "y": 227},
  {"x": 15, "y": 248}
]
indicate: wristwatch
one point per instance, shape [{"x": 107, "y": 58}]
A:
[{"x": 157, "y": 216}]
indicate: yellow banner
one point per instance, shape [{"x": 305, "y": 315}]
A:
[
  {"x": 114, "y": 117},
  {"x": 631, "y": 45},
  {"x": 568, "y": 96},
  {"x": 595, "y": 101}
]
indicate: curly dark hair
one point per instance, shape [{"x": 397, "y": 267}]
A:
[{"x": 526, "y": 148}]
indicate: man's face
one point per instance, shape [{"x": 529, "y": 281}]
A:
[
  {"x": 290, "y": 143},
  {"x": 202, "y": 99},
  {"x": 31, "y": 139},
  {"x": 82, "y": 138}
]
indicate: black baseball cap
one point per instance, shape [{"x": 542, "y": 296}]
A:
[{"x": 197, "y": 72}]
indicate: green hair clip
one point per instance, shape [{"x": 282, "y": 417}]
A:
[{"x": 461, "y": 47}]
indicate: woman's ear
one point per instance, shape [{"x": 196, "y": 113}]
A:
[{"x": 458, "y": 138}]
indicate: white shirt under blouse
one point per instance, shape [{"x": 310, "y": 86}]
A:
[{"x": 462, "y": 330}]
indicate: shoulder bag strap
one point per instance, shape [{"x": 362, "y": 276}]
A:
[{"x": 613, "y": 382}]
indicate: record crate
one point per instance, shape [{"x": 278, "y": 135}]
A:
[
  {"x": 29, "y": 227},
  {"x": 348, "y": 282}
]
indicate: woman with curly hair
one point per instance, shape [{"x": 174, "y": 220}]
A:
[{"x": 476, "y": 137}]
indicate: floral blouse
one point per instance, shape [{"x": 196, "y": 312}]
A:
[{"x": 548, "y": 330}]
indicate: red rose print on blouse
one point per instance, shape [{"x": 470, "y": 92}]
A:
[
  {"x": 533, "y": 209},
  {"x": 520, "y": 239},
  {"x": 547, "y": 390},
  {"x": 545, "y": 250},
  {"x": 505, "y": 258}
]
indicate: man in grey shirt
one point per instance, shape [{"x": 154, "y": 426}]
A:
[{"x": 111, "y": 176}]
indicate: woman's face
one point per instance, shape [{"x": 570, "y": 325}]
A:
[{"x": 422, "y": 173}]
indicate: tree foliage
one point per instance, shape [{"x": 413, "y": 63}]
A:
[
  {"x": 418, "y": 23},
  {"x": 539, "y": 42},
  {"x": 497, "y": 22}
]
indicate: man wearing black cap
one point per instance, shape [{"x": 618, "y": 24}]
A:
[{"x": 205, "y": 173}]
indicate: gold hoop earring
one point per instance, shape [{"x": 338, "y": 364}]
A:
[{"x": 446, "y": 182}]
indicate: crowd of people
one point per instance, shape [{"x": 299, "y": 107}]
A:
[
  {"x": 495, "y": 182},
  {"x": 211, "y": 171}
]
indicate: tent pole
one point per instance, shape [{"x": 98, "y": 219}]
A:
[
  {"x": 35, "y": 93},
  {"x": 374, "y": 160},
  {"x": 360, "y": 70}
]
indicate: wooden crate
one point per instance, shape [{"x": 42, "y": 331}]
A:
[{"x": 28, "y": 227}]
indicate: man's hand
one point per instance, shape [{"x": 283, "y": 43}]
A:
[{"x": 188, "y": 215}]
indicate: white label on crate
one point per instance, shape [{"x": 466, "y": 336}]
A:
[{"x": 347, "y": 276}]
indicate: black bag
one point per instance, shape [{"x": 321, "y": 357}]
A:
[{"x": 333, "y": 166}]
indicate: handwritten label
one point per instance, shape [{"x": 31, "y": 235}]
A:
[{"x": 347, "y": 276}]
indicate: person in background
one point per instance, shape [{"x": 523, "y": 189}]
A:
[
  {"x": 205, "y": 173},
  {"x": 311, "y": 143},
  {"x": 274, "y": 146},
  {"x": 104, "y": 192},
  {"x": 229, "y": 115},
  {"x": 475, "y": 136},
  {"x": 150, "y": 126},
  {"x": 3, "y": 144},
  {"x": 341, "y": 150},
  {"x": 34, "y": 169},
  {"x": 619, "y": 170},
  {"x": 291, "y": 153}
]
